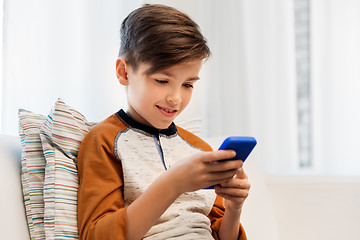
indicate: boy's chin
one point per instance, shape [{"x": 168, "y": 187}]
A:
[{"x": 162, "y": 125}]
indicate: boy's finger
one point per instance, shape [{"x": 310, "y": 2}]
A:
[
  {"x": 218, "y": 155},
  {"x": 221, "y": 166},
  {"x": 241, "y": 174},
  {"x": 236, "y": 183},
  {"x": 219, "y": 177},
  {"x": 235, "y": 192}
]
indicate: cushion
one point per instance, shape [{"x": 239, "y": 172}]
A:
[
  {"x": 49, "y": 173},
  {"x": 61, "y": 135},
  {"x": 32, "y": 171}
]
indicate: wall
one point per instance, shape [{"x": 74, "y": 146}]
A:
[
  {"x": 64, "y": 49},
  {"x": 316, "y": 207}
]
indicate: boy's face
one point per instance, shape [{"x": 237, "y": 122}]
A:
[{"x": 157, "y": 99}]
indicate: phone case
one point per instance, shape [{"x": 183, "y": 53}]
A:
[{"x": 241, "y": 145}]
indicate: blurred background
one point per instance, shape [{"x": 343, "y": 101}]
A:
[{"x": 284, "y": 71}]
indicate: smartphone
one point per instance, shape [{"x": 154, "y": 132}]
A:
[{"x": 243, "y": 146}]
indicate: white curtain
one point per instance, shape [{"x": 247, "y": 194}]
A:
[
  {"x": 248, "y": 85},
  {"x": 250, "y": 80},
  {"x": 68, "y": 49},
  {"x": 61, "y": 49},
  {"x": 336, "y": 84}
]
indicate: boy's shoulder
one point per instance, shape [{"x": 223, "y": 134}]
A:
[
  {"x": 108, "y": 128},
  {"x": 193, "y": 140}
]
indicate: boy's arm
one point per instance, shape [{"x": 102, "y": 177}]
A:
[
  {"x": 235, "y": 192},
  {"x": 191, "y": 174},
  {"x": 101, "y": 211},
  {"x": 220, "y": 218},
  {"x": 143, "y": 213}
]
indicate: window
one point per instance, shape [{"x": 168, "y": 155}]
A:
[
  {"x": 303, "y": 81},
  {"x": 327, "y": 36}
]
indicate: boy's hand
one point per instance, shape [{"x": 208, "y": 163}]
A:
[
  {"x": 203, "y": 170},
  {"x": 234, "y": 191}
]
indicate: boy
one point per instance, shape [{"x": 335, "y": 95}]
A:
[{"x": 140, "y": 175}]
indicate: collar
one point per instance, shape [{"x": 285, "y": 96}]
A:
[{"x": 151, "y": 130}]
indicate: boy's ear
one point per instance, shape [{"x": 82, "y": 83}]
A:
[{"x": 121, "y": 71}]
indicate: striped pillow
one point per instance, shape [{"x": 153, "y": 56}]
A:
[
  {"x": 49, "y": 181},
  {"x": 61, "y": 135},
  {"x": 32, "y": 171}
]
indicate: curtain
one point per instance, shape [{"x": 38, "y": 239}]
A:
[
  {"x": 251, "y": 81},
  {"x": 68, "y": 49},
  {"x": 63, "y": 49},
  {"x": 336, "y": 85}
]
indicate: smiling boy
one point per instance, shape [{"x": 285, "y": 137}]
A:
[
  {"x": 157, "y": 99},
  {"x": 141, "y": 176}
]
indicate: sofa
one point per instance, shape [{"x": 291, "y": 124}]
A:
[
  {"x": 258, "y": 216},
  {"x": 13, "y": 224}
]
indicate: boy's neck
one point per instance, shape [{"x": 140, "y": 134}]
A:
[{"x": 171, "y": 130}]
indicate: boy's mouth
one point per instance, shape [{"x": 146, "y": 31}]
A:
[
  {"x": 171, "y": 113},
  {"x": 166, "y": 110}
]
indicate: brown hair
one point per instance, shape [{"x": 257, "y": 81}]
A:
[{"x": 161, "y": 36}]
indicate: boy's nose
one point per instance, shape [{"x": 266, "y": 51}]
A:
[{"x": 174, "y": 98}]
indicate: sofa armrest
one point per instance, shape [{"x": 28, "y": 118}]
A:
[{"x": 13, "y": 224}]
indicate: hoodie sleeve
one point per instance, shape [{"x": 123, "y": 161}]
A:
[{"x": 101, "y": 211}]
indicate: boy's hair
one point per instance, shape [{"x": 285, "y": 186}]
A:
[{"x": 161, "y": 36}]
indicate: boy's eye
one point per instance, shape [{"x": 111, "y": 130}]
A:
[
  {"x": 188, "y": 85},
  {"x": 161, "y": 81}
]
